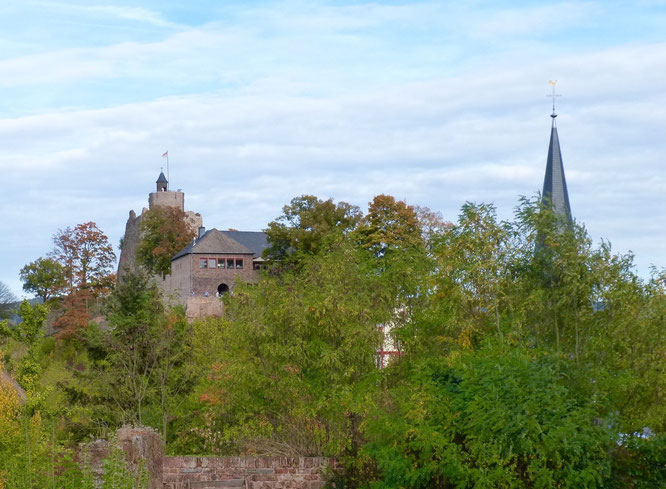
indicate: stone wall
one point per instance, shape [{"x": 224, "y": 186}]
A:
[
  {"x": 245, "y": 472},
  {"x": 143, "y": 451},
  {"x": 167, "y": 199},
  {"x": 203, "y": 307}
]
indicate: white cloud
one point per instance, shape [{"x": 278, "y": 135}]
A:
[
  {"x": 106, "y": 12},
  {"x": 540, "y": 19},
  {"x": 277, "y": 121}
]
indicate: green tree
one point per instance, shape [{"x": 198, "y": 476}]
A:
[
  {"x": 44, "y": 277},
  {"x": 164, "y": 232},
  {"x": 30, "y": 329},
  {"x": 474, "y": 264},
  {"x": 173, "y": 378},
  {"x": 499, "y": 417},
  {"x": 309, "y": 225},
  {"x": 135, "y": 311},
  {"x": 295, "y": 355},
  {"x": 393, "y": 238}
]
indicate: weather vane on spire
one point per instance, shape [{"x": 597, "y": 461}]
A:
[{"x": 553, "y": 95}]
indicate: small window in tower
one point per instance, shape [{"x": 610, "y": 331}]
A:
[
  {"x": 211, "y": 263},
  {"x": 203, "y": 262},
  {"x": 239, "y": 263},
  {"x": 230, "y": 263},
  {"x": 220, "y": 263}
]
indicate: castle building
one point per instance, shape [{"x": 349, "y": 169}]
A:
[
  {"x": 207, "y": 267},
  {"x": 211, "y": 264},
  {"x": 162, "y": 197}
]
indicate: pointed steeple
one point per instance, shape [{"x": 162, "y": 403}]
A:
[
  {"x": 162, "y": 183},
  {"x": 554, "y": 183}
]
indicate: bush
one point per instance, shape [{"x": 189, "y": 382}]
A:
[{"x": 495, "y": 418}]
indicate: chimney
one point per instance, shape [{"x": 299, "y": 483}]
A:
[{"x": 202, "y": 230}]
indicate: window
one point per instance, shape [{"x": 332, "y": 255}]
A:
[
  {"x": 220, "y": 263},
  {"x": 203, "y": 262},
  {"x": 211, "y": 263},
  {"x": 239, "y": 263},
  {"x": 230, "y": 263}
]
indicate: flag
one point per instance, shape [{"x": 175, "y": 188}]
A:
[{"x": 166, "y": 154}]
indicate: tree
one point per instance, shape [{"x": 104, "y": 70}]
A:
[
  {"x": 171, "y": 378},
  {"x": 75, "y": 313},
  {"x": 497, "y": 417},
  {"x": 29, "y": 329},
  {"x": 473, "y": 259},
  {"x": 390, "y": 226},
  {"x": 393, "y": 238},
  {"x": 44, "y": 277},
  {"x": 308, "y": 225},
  {"x": 86, "y": 256},
  {"x": 164, "y": 232},
  {"x": 295, "y": 357},
  {"x": 7, "y": 300},
  {"x": 135, "y": 311}
]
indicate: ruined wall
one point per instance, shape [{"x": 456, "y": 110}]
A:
[
  {"x": 245, "y": 472},
  {"x": 132, "y": 236},
  {"x": 143, "y": 448},
  {"x": 131, "y": 239}
]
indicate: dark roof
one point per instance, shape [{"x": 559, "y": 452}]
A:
[
  {"x": 254, "y": 240},
  {"x": 215, "y": 241},
  {"x": 555, "y": 191},
  {"x": 162, "y": 178}
]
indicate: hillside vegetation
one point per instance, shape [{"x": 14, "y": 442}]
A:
[{"x": 529, "y": 357}]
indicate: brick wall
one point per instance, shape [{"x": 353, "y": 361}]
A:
[{"x": 245, "y": 472}]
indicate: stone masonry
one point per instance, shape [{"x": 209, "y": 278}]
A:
[
  {"x": 207, "y": 268},
  {"x": 143, "y": 448},
  {"x": 245, "y": 472}
]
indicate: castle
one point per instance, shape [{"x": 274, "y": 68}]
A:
[{"x": 207, "y": 267}]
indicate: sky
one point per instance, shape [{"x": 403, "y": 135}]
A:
[{"x": 257, "y": 102}]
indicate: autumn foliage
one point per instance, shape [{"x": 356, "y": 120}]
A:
[{"x": 165, "y": 232}]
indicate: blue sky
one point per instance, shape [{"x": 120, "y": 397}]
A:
[{"x": 437, "y": 103}]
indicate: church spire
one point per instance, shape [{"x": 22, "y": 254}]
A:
[{"x": 554, "y": 183}]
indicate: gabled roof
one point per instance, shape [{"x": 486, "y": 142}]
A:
[
  {"x": 214, "y": 241},
  {"x": 162, "y": 178},
  {"x": 555, "y": 191}
]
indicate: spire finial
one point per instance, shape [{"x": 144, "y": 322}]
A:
[{"x": 553, "y": 95}]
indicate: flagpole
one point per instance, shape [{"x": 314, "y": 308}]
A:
[{"x": 166, "y": 154}]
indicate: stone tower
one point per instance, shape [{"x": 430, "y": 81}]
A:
[
  {"x": 162, "y": 197},
  {"x": 165, "y": 197}
]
